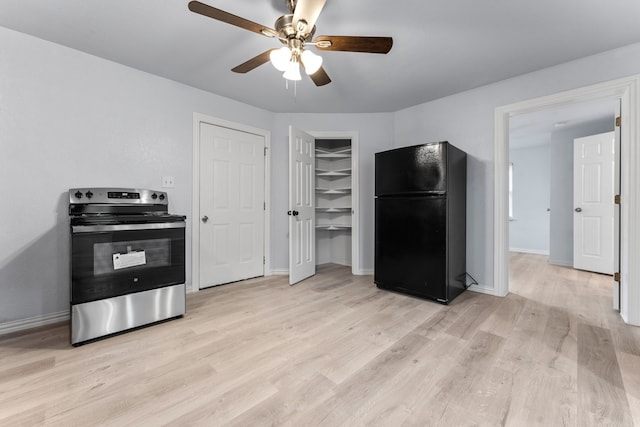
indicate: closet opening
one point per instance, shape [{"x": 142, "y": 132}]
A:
[{"x": 335, "y": 210}]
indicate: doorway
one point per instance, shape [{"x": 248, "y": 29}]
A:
[
  {"x": 541, "y": 165},
  {"x": 230, "y": 235},
  {"x": 333, "y": 236},
  {"x": 627, "y": 90}
]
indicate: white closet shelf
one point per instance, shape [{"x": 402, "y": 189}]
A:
[
  {"x": 333, "y": 190},
  {"x": 340, "y": 150},
  {"x": 332, "y": 155},
  {"x": 341, "y": 172},
  {"x": 332, "y": 227},
  {"x": 336, "y": 209}
]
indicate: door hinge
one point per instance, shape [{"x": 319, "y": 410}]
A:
[
  {"x": 618, "y": 121},
  {"x": 264, "y": 260},
  {"x": 264, "y": 207},
  {"x": 265, "y": 151},
  {"x": 616, "y": 199},
  {"x": 616, "y": 277}
]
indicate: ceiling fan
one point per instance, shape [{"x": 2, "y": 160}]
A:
[{"x": 295, "y": 31}]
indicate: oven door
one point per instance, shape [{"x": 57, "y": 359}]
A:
[{"x": 110, "y": 260}]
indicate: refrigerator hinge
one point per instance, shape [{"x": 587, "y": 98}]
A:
[
  {"x": 616, "y": 277},
  {"x": 616, "y": 199}
]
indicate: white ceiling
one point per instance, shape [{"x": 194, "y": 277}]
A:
[
  {"x": 536, "y": 128},
  {"x": 440, "y": 47}
]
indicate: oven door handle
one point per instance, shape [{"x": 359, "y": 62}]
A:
[{"x": 126, "y": 227}]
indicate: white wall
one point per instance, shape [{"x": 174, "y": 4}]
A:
[
  {"x": 69, "y": 119},
  {"x": 375, "y": 133},
  {"x": 529, "y": 228},
  {"x": 467, "y": 121},
  {"x": 561, "y": 243}
]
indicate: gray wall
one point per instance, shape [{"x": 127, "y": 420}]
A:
[
  {"x": 467, "y": 121},
  {"x": 68, "y": 119},
  {"x": 561, "y": 243},
  {"x": 71, "y": 119},
  {"x": 529, "y": 229}
]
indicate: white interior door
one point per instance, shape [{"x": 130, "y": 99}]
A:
[
  {"x": 593, "y": 223},
  {"x": 302, "y": 215},
  {"x": 231, "y": 205}
]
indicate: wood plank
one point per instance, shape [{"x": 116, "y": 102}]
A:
[{"x": 601, "y": 395}]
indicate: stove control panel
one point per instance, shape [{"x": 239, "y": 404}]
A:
[{"x": 118, "y": 196}]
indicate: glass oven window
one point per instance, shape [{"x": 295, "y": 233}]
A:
[
  {"x": 114, "y": 263},
  {"x": 144, "y": 254}
]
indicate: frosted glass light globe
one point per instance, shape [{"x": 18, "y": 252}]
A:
[
  {"x": 293, "y": 72},
  {"x": 280, "y": 58},
  {"x": 311, "y": 61}
]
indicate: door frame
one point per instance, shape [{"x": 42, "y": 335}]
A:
[
  {"x": 199, "y": 118},
  {"x": 627, "y": 90},
  {"x": 355, "y": 192}
]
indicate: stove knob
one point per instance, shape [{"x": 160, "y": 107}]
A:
[
  {"x": 162, "y": 197},
  {"x": 89, "y": 194},
  {"x": 154, "y": 196},
  {"x": 78, "y": 195}
]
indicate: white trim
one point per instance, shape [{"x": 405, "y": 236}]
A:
[
  {"x": 530, "y": 251},
  {"x": 33, "y": 322},
  {"x": 364, "y": 272},
  {"x": 195, "y": 223},
  {"x": 355, "y": 190},
  {"x": 481, "y": 289},
  {"x": 628, "y": 91},
  {"x": 279, "y": 272}
]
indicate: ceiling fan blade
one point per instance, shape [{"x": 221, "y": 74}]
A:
[
  {"x": 309, "y": 10},
  {"x": 221, "y": 15},
  {"x": 320, "y": 77},
  {"x": 355, "y": 44},
  {"x": 254, "y": 62}
]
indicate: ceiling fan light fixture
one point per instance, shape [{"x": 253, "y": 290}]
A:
[
  {"x": 281, "y": 58},
  {"x": 293, "y": 71},
  {"x": 311, "y": 61}
]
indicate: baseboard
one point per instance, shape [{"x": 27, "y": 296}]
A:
[
  {"x": 33, "y": 322},
  {"x": 279, "y": 272},
  {"x": 482, "y": 290},
  {"x": 530, "y": 251},
  {"x": 285, "y": 272},
  {"x": 561, "y": 263}
]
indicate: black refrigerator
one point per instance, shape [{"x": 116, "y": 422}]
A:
[{"x": 420, "y": 221}]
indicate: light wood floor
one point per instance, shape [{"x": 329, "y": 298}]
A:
[{"x": 334, "y": 350}]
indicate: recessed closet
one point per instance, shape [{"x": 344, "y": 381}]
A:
[{"x": 333, "y": 197}]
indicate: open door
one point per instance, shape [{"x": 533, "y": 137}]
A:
[
  {"x": 616, "y": 208},
  {"x": 593, "y": 191},
  {"x": 302, "y": 215}
]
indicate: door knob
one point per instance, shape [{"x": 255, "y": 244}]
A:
[
  {"x": 295, "y": 213},
  {"x": 578, "y": 209},
  {"x": 289, "y": 213},
  {"x": 205, "y": 218}
]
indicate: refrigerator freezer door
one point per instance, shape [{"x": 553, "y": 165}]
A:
[
  {"x": 419, "y": 169},
  {"x": 411, "y": 246}
]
